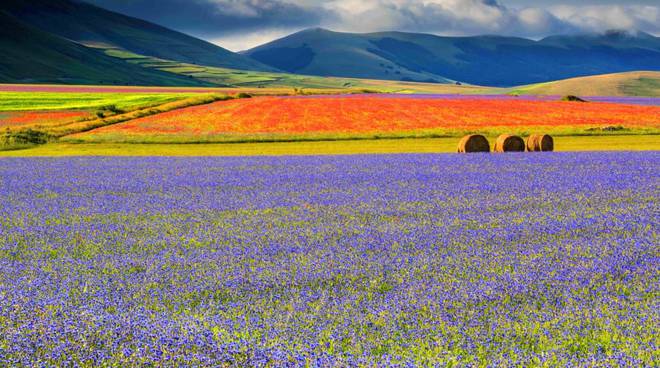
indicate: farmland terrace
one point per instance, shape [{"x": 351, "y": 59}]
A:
[{"x": 162, "y": 116}]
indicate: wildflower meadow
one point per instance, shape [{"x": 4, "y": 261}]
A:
[{"x": 534, "y": 260}]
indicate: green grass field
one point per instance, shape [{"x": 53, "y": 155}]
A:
[
  {"x": 381, "y": 146},
  {"x": 38, "y": 101}
]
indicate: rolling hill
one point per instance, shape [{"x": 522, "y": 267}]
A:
[
  {"x": 30, "y": 55},
  {"x": 93, "y": 26},
  {"x": 619, "y": 84},
  {"x": 481, "y": 60},
  {"x": 269, "y": 82},
  {"x": 322, "y": 52}
]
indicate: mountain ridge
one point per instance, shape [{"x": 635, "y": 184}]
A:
[
  {"x": 62, "y": 61},
  {"x": 481, "y": 60},
  {"x": 88, "y": 24}
]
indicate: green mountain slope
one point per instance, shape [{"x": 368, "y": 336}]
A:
[
  {"x": 482, "y": 60},
  {"x": 322, "y": 52},
  {"x": 91, "y": 25},
  {"x": 29, "y": 55}
]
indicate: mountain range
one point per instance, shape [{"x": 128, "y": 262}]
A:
[
  {"x": 482, "y": 60},
  {"x": 67, "y": 41},
  {"x": 60, "y": 41}
]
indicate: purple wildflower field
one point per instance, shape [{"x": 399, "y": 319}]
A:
[
  {"x": 626, "y": 100},
  {"x": 376, "y": 260}
]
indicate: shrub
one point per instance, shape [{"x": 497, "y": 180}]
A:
[
  {"x": 25, "y": 136},
  {"x": 113, "y": 109},
  {"x": 573, "y": 98}
]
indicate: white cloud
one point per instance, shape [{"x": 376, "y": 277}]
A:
[
  {"x": 413, "y": 15},
  {"x": 237, "y": 8},
  {"x": 242, "y": 42},
  {"x": 537, "y": 20},
  {"x": 257, "y": 8},
  {"x": 486, "y": 16},
  {"x": 598, "y": 18}
]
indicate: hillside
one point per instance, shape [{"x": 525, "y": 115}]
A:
[
  {"x": 91, "y": 25},
  {"x": 481, "y": 60},
  {"x": 32, "y": 56},
  {"x": 321, "y": 52},
  {"x": 620, "y": 84},
  {"x": 266, "y": 82}
]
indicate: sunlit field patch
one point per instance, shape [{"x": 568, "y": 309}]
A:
[
  {"x": 85, "y": 89},
  {"x": 368, "y": 116},
  {"x": 410, "y": 260},
  {"x": 52, "y": 101}
]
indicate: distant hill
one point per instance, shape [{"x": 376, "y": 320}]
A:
[
  {"x": 29, "y": 55},
  {"x": 90, "y": 25},
  {"x": 481, "y": 60},
  {"x": 620, "y": 84}
]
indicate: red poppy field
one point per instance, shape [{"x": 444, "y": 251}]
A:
[
  {"x": 39, "y": 118},
  {"x": 266, "y": 118}
]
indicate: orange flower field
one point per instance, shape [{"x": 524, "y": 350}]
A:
[
  {"x": 373, "y": 115},
  {"x": 39, "y": 118}
]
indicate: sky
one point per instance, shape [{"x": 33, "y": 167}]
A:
[{"x": 242, "y": 24}]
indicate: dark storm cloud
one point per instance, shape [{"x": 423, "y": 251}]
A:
[
  {"x": 240, "y": 24},
  {"x": 212, "y": 18}
]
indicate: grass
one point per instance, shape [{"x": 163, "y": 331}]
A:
[
  {"x": 93, "y": 136},
  {"x": 381, "y": 146}
]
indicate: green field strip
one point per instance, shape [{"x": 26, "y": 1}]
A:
[{"x": 39, "y": 101}]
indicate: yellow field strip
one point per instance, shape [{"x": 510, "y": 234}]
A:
[{"x": 383, "y": 146}]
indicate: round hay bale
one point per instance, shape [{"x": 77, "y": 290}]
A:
[
  {"x": 540, "y": 143},
  {"x": 509, "y": 143},
  {"x": 473, "y": 143}
]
